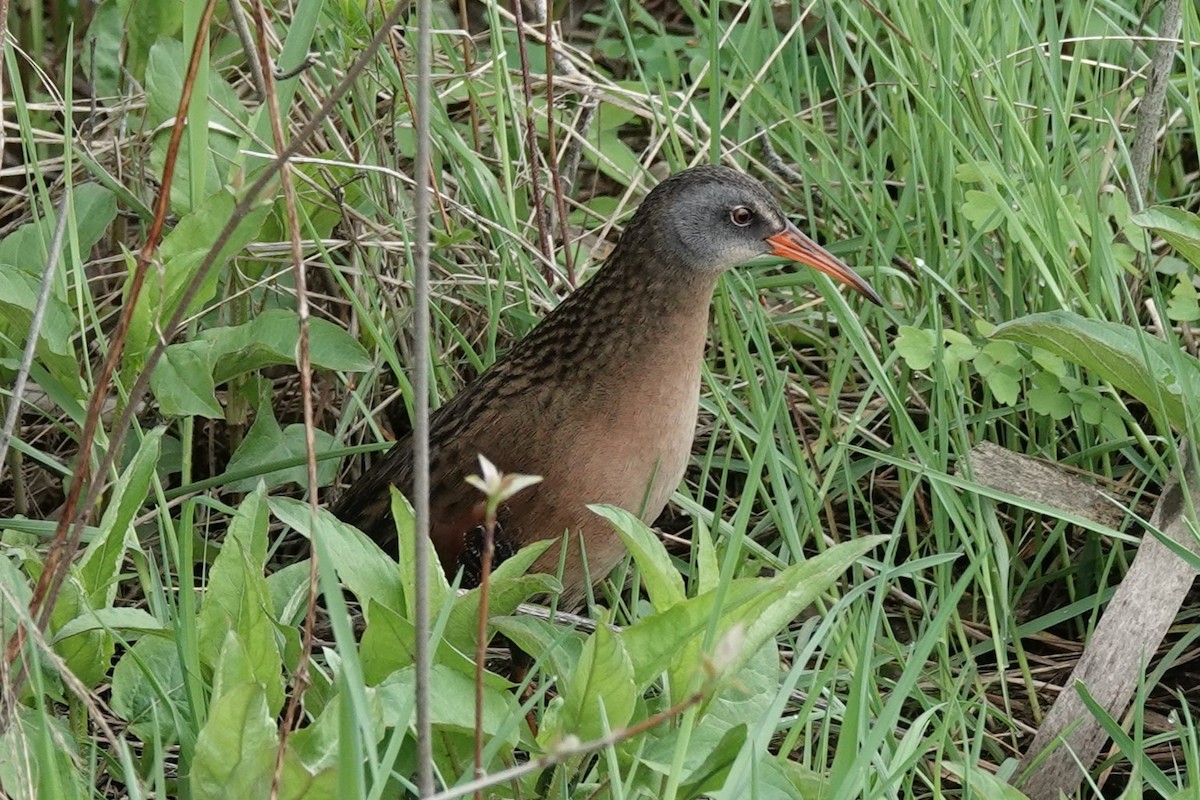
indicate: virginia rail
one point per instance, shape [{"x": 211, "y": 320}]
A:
[{"x": 601, "y": 398}]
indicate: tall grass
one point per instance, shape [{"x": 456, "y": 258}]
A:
[{"x": 970, "y": 159}]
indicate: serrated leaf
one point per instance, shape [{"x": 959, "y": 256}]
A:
[
  {"x": 916, "y": 347},
  {"x": 1184, "y": 305},
  {"x": 1146, "y": 367},
  {"x": 982, "y": 210}
]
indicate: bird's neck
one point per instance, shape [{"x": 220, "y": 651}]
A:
[
  {"x": 630, "y": 316},
  {"x": 646, "y": 305}
]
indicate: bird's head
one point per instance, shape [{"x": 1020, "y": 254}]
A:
[{"x": 712, "y": 218}]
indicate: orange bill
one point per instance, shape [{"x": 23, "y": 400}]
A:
[{"x": 792, "y": 243}]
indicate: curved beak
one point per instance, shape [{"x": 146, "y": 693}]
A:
[{"x": 792, "y": 243}]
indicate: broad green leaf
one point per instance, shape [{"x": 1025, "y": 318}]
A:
[
  {"x": 710, "y": 775},
  {"x": 182, "y": 382},
  {"x": 764, "y": 605},
  {"x": 557, "y": 647},
  {"x": 87, "y": 654},
  {"x": 453, "y": 706},
  {"x": 147, "y": 689},
  {"x": 1180, "y": 228},
  {"x": 1005, "y": 383},
  {"x": 93, "y": 209},
  {"x": 267, "y": 444},
  {"x": 508, "y": 587},
  {"x": 183, "y": 251},
  {"x": 982, "y": 783},
  {"x": 775, "y": 779},
  {"x": 82, "y": 639},
  {"x": 226, "y": 117},
  {"x": 237, "y": 601},
  {"x": 1146, "y": 367},
  {"x": 982, "y": 209},
  {"x": 664, "y": 584},
  {"x": 604, "y": 672},
  {"x": 1046, "y": 397},
  {"x": 388, "y": 645},
  {"x": 369, "y": 573},
  {"x": 706, "y": 559},
  {"x": 272, "y": 337},
  {"x": 1184, "y": 305},
  {"x": 40, "y": 757},
  {"x": 741, "y": 702},
  {"x": 916, "y": 347},
  {"x": 977, "y": 172},
  {"x": 235, "y": 751},
  {"x": 101, "y": 561},
  {"x": 130, "y": 622},
  {"x": 18, "y": 299},
  {"x": 187, "y": 376},
  {"x": 435, "y": 579}
]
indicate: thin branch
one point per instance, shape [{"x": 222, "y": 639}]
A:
[
  {"x": 1149, "y": 113},
  {"x": 424, "y": 174},
  {"x": 301, "y": 676},
  {"x": 485, "y": 587},
  {"x": 571, "y": 747}
]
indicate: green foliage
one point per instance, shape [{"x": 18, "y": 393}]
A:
[{"x": 962, "y": 156}]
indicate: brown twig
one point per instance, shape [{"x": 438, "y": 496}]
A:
[
  {"x": 543, "y": 225},
  {"x": 68, "y": 532},
  {"x": 571, "y": 747},
  {"x": 468, "y": 54},
  {"x": 301, "y": 677},
  {"x": 556, "y": 185}
]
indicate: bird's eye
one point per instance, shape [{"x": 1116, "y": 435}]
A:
[{"x": 741, "y": 216}]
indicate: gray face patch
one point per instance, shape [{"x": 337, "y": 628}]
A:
[{"x": 702, "y": 221}]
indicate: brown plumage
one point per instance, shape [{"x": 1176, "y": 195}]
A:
[{"x": 600, "y": 399}]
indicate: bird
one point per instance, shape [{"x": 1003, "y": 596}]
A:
[{"x": 601, "y": 398}]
